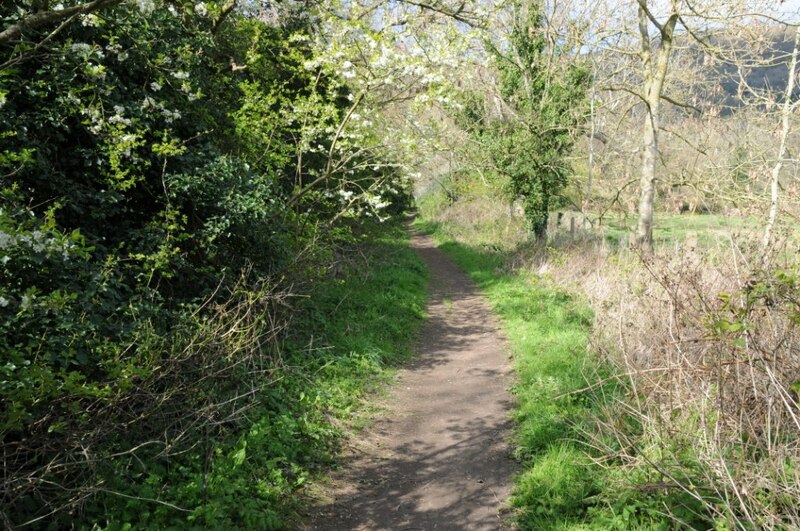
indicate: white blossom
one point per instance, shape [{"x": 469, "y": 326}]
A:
[
  {"x": 155, "y": 86},
  {"x": 81, "y": 47},
  {"x": 119, "y": 119},
  {"x": 201, "y": 9},
  {"x": 146, "y": 6},
  {"x": 3, "y": 302},
  {"x": 6, "y": 240},
  {"x": 170, "y": 116},
  {"x": 90, "y": 20}
]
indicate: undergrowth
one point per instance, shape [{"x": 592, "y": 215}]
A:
[
  {"x": 351, "y": 331},
  {"x": 342, "y": 340}
]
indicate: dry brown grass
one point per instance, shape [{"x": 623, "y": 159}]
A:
[{"x": 707, "y": 346}]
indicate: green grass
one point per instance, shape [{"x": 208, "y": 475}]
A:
[
  {"x": 349, "y": 335},
  {"x": 560, "y": 487},
  {"x": 548, "y": 331},
  {"x": 709, "y": 229}
]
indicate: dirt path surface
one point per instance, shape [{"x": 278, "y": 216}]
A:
[{"x": 439, "y": 457}]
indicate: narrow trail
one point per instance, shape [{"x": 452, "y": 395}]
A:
[{"x": 438, "y": 457}]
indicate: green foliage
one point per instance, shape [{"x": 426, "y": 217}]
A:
[
  {"x": 530, "y": 146},
  {"x": 155, "y": 209}
]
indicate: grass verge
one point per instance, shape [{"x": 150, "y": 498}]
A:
[
  {"x": 354, "y": 331},
  {"x": 347, "y": 337},
  {"x": 561, "y": 487}
]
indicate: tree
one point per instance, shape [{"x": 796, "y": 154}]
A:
[
  {"x": 655, "y": 62},
  {"x": 43, "y": 17},
  {"x": 787, "y": 108},
  {"x": 543, "y": 103},
  {"x": 673, "y": 72},
  {"x": 154, "y": 168}
]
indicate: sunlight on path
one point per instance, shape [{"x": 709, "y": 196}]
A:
[{"x": 439, "y": 458}]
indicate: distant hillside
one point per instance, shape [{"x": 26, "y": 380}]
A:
[
  {"x": 713, "y": 80},
  {"x": 765, "y": 64},
  {"x": 771, "y": 78}
]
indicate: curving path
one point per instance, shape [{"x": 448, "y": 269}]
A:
[{"x": 438, "y": 457}]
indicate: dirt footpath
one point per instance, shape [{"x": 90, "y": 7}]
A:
[{"x": 438, "y": 457}]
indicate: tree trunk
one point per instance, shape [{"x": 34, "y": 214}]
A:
[
  {"x": 644, "y": 233},
  {"x": 786, "y": 111},
  {"x": 654, "y": 75},
  {"x": 592, "y": 131}
]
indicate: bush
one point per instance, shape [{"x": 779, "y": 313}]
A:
[{"x": 154, "y": 233}]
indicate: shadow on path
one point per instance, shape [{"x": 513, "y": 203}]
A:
[{"x": 439, "y": 457}]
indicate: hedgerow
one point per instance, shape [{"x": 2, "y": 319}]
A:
[{"x": 166, "y": 194}]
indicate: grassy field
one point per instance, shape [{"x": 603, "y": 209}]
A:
[
  {"x": 483, "y": 219},
  {"x": 707, "y": 229}
]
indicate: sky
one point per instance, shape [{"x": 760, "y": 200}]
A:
[{"x": 791, "y": 7}]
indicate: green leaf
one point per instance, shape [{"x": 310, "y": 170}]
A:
[{"x": 240, "y": 455}]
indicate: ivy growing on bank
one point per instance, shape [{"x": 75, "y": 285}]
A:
[{"x": 172, "y": 175}]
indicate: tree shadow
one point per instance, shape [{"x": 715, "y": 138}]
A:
[{"x": 454, "y": 472}]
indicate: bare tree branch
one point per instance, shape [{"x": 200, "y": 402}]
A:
[{"x": 48, "y": 17}]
